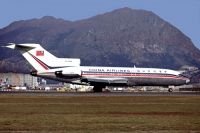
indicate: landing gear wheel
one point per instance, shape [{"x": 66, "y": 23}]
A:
[
  {"x": 98, "y": 88},
  {"x": 170, "y": 90}
]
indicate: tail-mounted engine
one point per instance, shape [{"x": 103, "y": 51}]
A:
[{"x": 69, "y": 72}]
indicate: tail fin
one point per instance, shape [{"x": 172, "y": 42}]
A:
[{"x": 41, "y": 59}]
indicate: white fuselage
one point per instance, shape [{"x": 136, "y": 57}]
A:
[{"x": 135, "y": 76}]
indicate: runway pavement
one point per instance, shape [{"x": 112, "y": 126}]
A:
[{"x": 71, "y": 94}]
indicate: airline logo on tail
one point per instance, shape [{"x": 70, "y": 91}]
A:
[{"x": 39, "y": 53}]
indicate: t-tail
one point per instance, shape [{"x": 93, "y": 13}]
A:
[{"x": 41, "y": 59}]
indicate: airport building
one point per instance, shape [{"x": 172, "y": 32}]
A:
[{"x": 18, "y": 79}]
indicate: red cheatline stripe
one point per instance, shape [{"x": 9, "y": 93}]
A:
[
  {"x": 40, "y": 62},
  {"x": 133, "y": 75}
]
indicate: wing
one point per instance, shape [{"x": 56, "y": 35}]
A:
[{"x": 108, "y": 81}]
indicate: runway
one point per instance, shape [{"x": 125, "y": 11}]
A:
[{"x": 105, "y": 94}]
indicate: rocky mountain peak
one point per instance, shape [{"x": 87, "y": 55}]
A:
[{"x": 123, "y": 37}]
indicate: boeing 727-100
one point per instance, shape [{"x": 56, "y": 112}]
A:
[{"x": 69, "y": 70}]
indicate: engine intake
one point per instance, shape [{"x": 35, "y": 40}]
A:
[{"x": 33, "y": 73}]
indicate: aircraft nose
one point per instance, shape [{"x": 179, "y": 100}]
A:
[{"x": 187, "y": 81}]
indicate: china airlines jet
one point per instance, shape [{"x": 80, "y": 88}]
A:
[{"x": 69, "y": 70}]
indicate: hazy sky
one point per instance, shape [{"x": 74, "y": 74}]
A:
[{"x": 184, "y": 14}]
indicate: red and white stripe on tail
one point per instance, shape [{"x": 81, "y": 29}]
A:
[{"x": 41, "y": 59}]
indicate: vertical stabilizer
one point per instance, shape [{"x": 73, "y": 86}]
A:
[{"x": 41, "y": 59}]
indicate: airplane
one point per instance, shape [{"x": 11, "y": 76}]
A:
[{"x": 69, "y": 70}]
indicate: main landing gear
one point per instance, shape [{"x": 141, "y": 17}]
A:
[
  {"x": 170, "y": 88},
  {"x": 98, "y": 88}
]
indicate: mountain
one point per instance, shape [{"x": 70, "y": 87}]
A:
[{"x": 123, "y": 37}]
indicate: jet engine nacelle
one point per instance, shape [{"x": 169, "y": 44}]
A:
[{"x": 69, "y": 72}]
